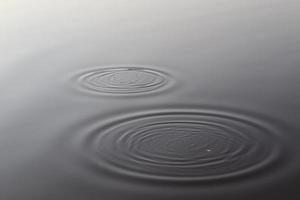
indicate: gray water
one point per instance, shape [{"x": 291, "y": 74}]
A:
[{"x": 128, "y": 100}]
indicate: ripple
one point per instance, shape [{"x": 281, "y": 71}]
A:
[
  {"x": 183, "y": 145},
  {"x": 124, "y": 80}
]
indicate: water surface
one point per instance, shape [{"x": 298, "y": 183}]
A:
[{"x": 149, "y": 100}]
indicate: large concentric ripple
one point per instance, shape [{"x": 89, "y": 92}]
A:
[
  {"x": 183, "y": 145},
  {"x": 123, "y": 80}
]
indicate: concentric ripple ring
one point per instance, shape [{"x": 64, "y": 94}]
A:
[
  {"x": 183, "y": 145},
  {"x": 124, "y": 80}
]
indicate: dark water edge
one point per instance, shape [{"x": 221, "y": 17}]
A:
[{"x": 150, "y": 100}]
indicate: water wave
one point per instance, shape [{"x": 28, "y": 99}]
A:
[
  {"x": 183, "y": 145},
  {"x": 123, "y": 80}
]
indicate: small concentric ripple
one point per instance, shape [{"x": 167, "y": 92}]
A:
[
  {"x": 180, "y": 145},
  {"x": 124, "y": 80}
]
